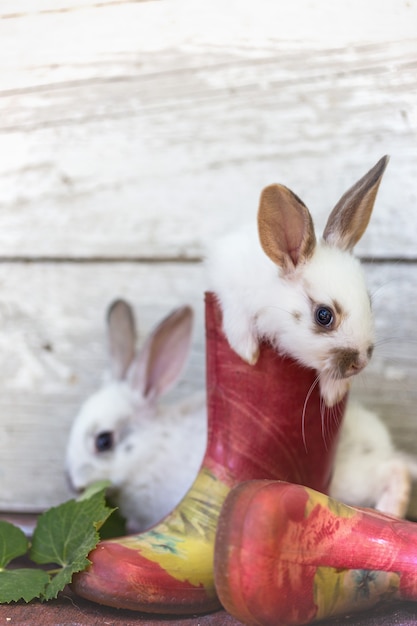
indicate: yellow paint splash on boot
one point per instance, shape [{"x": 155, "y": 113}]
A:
[
  {"x": 183, "y": 543},
  {"x": 339, "y": 592}
]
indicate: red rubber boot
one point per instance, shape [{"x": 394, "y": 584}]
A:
[
  {"x": 255, "y": 430},
  {"x": 286, "y": 555}
]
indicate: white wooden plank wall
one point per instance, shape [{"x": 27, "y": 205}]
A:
[{"x": 133, "y": 132}]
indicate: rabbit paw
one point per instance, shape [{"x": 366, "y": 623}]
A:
[
  {"x": 395, "y": 496},
  {"x": 242, "y": 339}
]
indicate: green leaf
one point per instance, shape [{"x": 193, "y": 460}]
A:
[
  {"x": 17, "y": 584},
  {"x": 114, "y": 526},
  {"x": 63, "y": 578},
  {"x": 65, "y": 535},
  {"x": 13, "y": 543},
  {"x": 22, "y": 584},
  {"x": 93, "y": 489}
]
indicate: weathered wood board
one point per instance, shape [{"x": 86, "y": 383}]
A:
[
  {"x": 160, "y": 124},
  {"x": 126, "y": 147}
]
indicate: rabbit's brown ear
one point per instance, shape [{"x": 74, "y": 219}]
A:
[
  {"x": 121, "y": 332},
  {"x": 350, "y": 217},
  {"x": 286, "y": 230}
]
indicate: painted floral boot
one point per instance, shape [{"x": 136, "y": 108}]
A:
[
  {"x": 286, "y": 555},
  {"x": 259, "y": 426}
]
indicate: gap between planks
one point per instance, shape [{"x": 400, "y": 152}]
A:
[{"x": 376, "y": 260}]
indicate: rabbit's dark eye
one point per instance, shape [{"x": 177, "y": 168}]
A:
[
  {"x": 104, "y": 441},
  {"x": 324, "y": 316}
]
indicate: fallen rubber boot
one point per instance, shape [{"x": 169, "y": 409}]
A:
[
  {"x": 255, "y": 430},
  {"x": 286, "y": 555}
]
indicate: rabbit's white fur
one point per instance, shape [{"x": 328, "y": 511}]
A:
[
  {"x": 279, "y": 310},
  {"x": 271, "y": 282},
  {"x": 368, "y": 470},
  {"x": 156, "y": 450}
]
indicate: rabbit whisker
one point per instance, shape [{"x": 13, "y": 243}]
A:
[
  {"x": 376, "y": 291},
  {"x": 323, "y": 424},
  {"x": 310, "y": 391},
  {"x": 381, "y": 342}
]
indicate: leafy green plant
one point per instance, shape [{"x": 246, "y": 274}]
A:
[{"x": 62, "y": 540}]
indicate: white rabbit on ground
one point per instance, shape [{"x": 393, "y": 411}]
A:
[
  {"x": 150, "y": 453},
  {"x": 309, "y": 299}
]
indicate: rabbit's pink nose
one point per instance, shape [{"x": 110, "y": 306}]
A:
[
  {"x": 349, "y": 362},
  {"x": 355, "y": 368}
]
